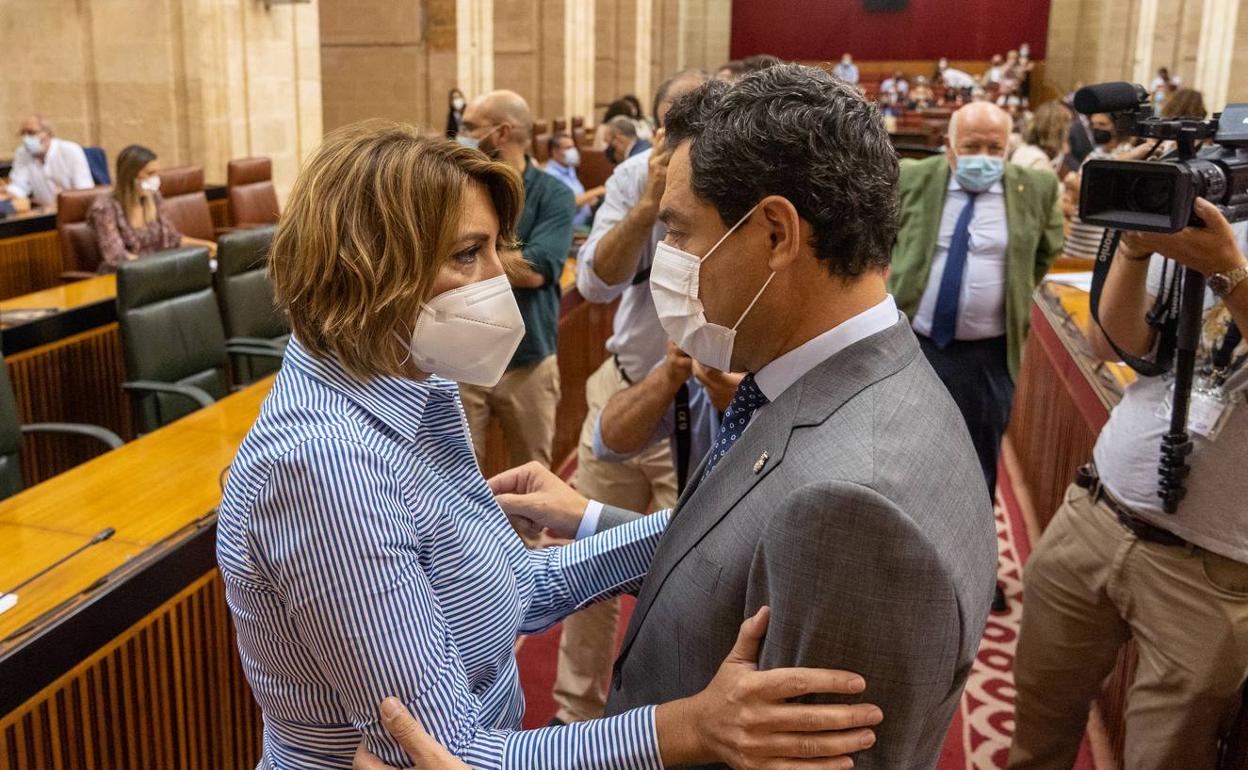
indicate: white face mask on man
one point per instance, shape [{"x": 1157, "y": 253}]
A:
[
  {"x": 674, "y": 287},
  {"x": 468, "y": 334}
]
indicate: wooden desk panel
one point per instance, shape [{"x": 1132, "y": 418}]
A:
[
  {"x": 150, "y": 487},
  {"x": 168, "y": 690},
  {"x": 29, "y": 263},
  {"x": 30, "y": 549}
]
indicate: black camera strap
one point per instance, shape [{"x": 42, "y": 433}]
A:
[
  {"x": 683, "y": 437},
  {"x": 1164, "y": 316},
  {"x": 1222, "y": 362}
]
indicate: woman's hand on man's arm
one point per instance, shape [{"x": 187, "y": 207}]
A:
[{"x": 744, "y": 718}]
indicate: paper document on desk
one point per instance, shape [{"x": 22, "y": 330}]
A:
[
  {"x": 7, "y": 602},
  {"x": 1078, "y": 280}
]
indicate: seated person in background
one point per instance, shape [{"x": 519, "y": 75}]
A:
[
  {"x": 43, "y": 165},
  {"x": 1045, "y": 139},
  {"x": 955, "y": 80},
  {"x": 922, "y": 97},
  {"x": 564, "y": 160},
  {"x": 895, "y": 89},
  {"x": 622, "y": 139},
  {"x": 614, "y": 109},
  {"x": 1113, "y": 565},
  {"x": 130, "y": 223},
  {"x": 846, "y": 70},
  {"x": 645, "y": 413}
]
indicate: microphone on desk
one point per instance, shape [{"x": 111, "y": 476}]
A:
[{"x": 100, "y": 537}]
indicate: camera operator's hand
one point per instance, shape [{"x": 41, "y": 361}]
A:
[{"x": 1207, "y": 250}]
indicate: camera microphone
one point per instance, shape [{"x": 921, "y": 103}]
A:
[{"x": 1110, "y": 97}]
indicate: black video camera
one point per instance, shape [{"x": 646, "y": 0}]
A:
[{"x": 1158, "y": 195}]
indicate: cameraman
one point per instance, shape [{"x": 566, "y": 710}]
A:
[{"x": 1112, "y": 564}]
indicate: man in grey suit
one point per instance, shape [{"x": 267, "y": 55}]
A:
[{"x": 843, "y": 491}]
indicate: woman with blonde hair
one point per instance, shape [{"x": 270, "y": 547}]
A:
[
  {"x": 363, "y": 553},
  {"x": 1045, "y": 139},
  {"x": 132, "y": 222}
]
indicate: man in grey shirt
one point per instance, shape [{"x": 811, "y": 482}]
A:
[{"x": 1114, "y": 565}]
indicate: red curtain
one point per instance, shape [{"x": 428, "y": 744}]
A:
[{"x": 926, "y": 29}]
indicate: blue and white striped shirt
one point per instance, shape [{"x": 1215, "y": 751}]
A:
[{"x": 364, "y": 556}]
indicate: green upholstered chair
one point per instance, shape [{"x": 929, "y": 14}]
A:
[
  {"x": 11, "y": 431},
  {"x": 250, "y": 315},
  {"x": 171, "y": 335}
]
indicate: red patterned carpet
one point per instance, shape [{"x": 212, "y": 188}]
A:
[{"x": 979, "y": 738}]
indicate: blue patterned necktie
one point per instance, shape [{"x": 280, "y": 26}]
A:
[
  {"x": 945, "y": 317},
  {"x": 745, "y": 401}
]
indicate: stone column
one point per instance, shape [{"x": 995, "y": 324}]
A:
[
  {"x": 1216, "y": 52},
  {"x": 474, "y": 20}
]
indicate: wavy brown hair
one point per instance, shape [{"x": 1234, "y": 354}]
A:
[{"x": 370, "y": 220}]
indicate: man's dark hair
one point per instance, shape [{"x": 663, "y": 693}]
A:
[
  {"x": 799, "y": 133},
  {"x": 759, "y": 62},
  {"x": 552, "y": 143}
]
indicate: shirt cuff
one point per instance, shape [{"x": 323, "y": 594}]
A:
[{"x": 589, "y": 521}]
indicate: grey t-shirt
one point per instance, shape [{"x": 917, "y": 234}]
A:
[{"x": 1214, "y": 514}]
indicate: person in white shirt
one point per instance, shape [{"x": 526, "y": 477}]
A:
[
  {"x": 615, "y": 264},
  {"x": 846, "y": 70},
  {"x": 1113, "y": 564},
  {"x": 44, "y": 165}
]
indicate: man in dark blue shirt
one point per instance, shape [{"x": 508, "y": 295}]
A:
[{"x": 527, "y": 397}]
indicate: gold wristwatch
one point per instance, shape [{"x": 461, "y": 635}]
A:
[{"x": 1222, "y": 284}]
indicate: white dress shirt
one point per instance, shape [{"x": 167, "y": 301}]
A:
[
  {"x": 64, "y": 167},
  {"x": 779, "y": 375},
  {"x": 981, "y": 304},
  {"x": 637, "y": 338}
]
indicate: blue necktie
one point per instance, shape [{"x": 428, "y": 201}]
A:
[
  {"x": 747, "y": 399},
  {"x": 945, "y": 318}
]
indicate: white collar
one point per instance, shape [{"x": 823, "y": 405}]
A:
[
  {"x": 780, "y": 374},
  {"x": 998, "y": 186}
]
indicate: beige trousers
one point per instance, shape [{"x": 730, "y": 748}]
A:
[
  {"x": 587, "y": 641},
  {"x": 525, "y": 401},
  {"x": 1091, "y": 584}
]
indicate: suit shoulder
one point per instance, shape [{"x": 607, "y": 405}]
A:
[{"x": 914, "y": 169}]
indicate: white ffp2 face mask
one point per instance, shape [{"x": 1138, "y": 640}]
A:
[
  {"x": 469, "y": 334},
  {"x": 674, "y": 287}
]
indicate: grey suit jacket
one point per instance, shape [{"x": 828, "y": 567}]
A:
[{"x": 866, "y": 528}]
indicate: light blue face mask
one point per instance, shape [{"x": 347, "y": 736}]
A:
[
  {"x": 468, "y": 141},
  {"x": 977, "y": 173},
  {"x": 32, "y": 143}
]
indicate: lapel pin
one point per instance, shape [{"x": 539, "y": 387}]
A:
[{"x": 760, "y": 462}]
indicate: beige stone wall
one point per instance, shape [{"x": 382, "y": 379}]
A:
[
  {"x": 1204, "y": 42},
  {"x": 198, "y": 81},
  {"x": 392, "y": 59}
]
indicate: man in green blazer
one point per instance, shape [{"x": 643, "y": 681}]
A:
[{"x": 977, "y": 234}]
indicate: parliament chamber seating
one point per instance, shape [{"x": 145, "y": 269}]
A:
[
  {"x": 80, "y": 254},
  {"x": 172, "y": 336},
  {"x": 12, "y": 430},
  {"x": 245, "y": 296},
  {"x": 252, "y": 196},
  {"x": 541, "y": 147},
  {"x": 185, "y": 202},
  {"x": 594, "y": 169}
]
